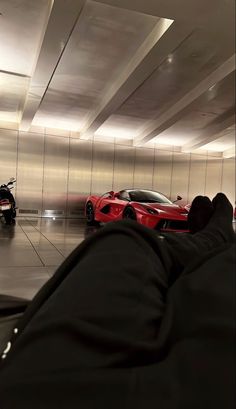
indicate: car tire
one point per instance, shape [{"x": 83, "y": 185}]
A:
[
  {"x": 129, "y": 213},
  {"x": 90, "y": 217}
]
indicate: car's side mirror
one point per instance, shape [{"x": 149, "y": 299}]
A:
[
  {"x": 178, "y": 199},
  {"x": 111, "y": 193}
]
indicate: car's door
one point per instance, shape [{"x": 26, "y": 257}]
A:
[
  {"x": 110, "y": 207},
  {"x": 104, "y": 207},
  {"x": 121, "y": 200}
]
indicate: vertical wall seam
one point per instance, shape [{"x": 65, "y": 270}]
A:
[
  {"x": 153, "y": 167},
  {"x": 17, "y": 163},
  {"x": 206, "y": 174},
  {"x": 222, "y": 171},
  {"x": 91, "y": 170},
  {"x": 134, "y": 167},
  {"x": 171, "y": 173},
  {"x": 189, "y": 172},
  {"x": 67, "y": 182},
  {"x": 114, "y": 158},
  {"x": 44, "y": 149}
]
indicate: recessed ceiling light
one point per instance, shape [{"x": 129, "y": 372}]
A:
[
  {"x": 170, "y": 59},
  {"x": 211, "y": 88}
]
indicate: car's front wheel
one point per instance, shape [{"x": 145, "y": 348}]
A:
[
  {"x": 90, "y": 214},
  {"x": 129, "y": 213}
]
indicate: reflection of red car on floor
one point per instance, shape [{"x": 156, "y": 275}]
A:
[{"x": 152, "y": 209}]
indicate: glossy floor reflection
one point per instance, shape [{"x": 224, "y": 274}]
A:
[{"x": 31, "y": 251}]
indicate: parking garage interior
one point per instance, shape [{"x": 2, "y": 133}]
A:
[
  {"x": 98, "y": 97},
  {"x": 103, "y": 95}
]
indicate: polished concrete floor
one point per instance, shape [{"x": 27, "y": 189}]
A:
[{"x": 31, "y": 251}]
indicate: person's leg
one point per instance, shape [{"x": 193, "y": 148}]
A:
[
  {"x": 212, "y": 224},
  {"x": 11, "y": 310},
  {"x": 7, "y": 325},
  {"x": 103, "y": 309},
  {"x": 200, "y": 213},
  {"x": 10, "y": 305},
  {"x": 106, "y": 311},
  {"x": 127, "y": 262}
]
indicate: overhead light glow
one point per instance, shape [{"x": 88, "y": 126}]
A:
[
  {"x": 112, "y": 132},
  {"x": 212, "y": 87},
  {"x": 216, "y": 146},
  {"x": 56, "y": 123},
  {"x": 170, "y": 141}
]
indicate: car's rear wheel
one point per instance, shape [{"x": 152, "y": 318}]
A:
[
  {"x": 90, "y": 214},
  {"x": 129, "y": 213}
]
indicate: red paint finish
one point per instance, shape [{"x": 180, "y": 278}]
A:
[{"x": 160, "y": 216}]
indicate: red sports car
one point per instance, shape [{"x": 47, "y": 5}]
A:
[{"x": 152, "y": 209}]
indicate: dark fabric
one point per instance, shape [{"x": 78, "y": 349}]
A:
[
  {"x": 200, "y": 213},
  {"x": 11, "y": 310},
  {"x": 130, "y": 321},
  {"x": 12, "y": 305},
  {"x": 7, "y": 325}
]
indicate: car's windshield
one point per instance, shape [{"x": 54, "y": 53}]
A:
[{"x": 148, "y": 196}]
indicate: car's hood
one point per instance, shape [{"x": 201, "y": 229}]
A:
[{"x": 166, "y": 209}]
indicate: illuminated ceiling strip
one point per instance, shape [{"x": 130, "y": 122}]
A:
[
  {"x": 229, "y": 153},
  {"x": 63, "y": 18}
]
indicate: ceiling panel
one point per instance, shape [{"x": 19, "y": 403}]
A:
[
  {"x": 193, "y": 61},
  {"x": 201, "y": 114},
  {"x": 101, "y": 45},
  {"x": 119, "y": 126},
  {"x": 222, "y": 143},
  {"x": 13, "y": 91},
  {"x": 97, "y": 56},
  {"x": 22, "y": 26}
]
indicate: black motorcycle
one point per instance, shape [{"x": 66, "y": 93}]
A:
[{"x": 7, "y": 202}]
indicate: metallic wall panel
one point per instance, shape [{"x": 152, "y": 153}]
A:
[
  {"x": 162, "y": 171},
  {"x": 55, "y": 174},
  {"x": 8, "y": 155},
  {"x": 197, "y": 176},
  {"x": 102, "y": 169},
  {"x": 213, "y": 177},
  {"x": 143, "y": 169},
  {"x": 30, "y": 171},
  {"x": 180, "y": 176},
  {"x": 60, "y": 173},
  {"x": 79, "y": 181},
  {"x": 123, "y": 167},
  {"x": 228, "y": 179}
]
